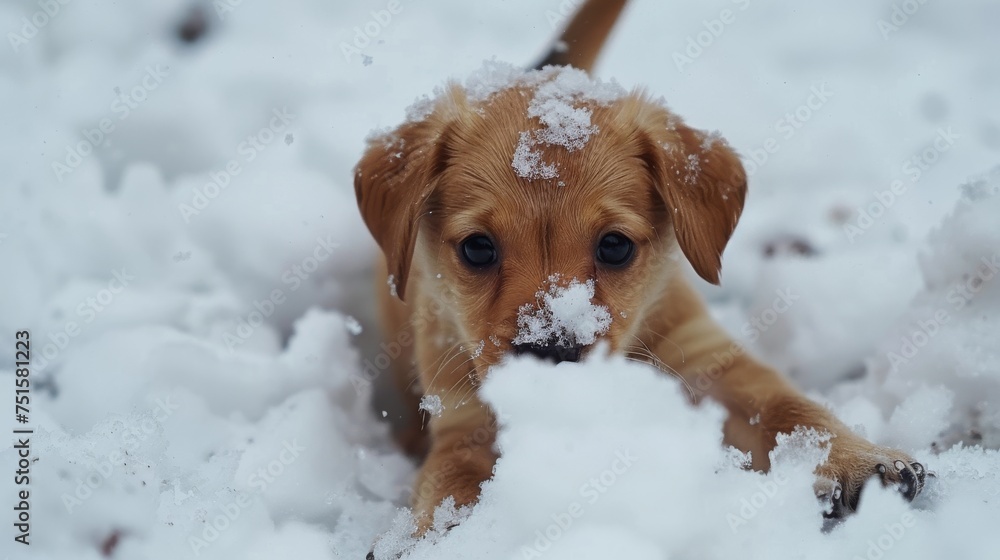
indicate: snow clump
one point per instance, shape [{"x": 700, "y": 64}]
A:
[{"x": 564, "y": 315}]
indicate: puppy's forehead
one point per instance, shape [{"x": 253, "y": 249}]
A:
[{"x": 607, "y": 172}]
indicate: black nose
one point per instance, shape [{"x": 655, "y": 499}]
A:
[{"x": 550, "y": 351}]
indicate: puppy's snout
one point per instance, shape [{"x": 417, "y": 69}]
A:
[{"x": 551, "y": 351}]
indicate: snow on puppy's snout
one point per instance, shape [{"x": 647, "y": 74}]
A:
[{"x": 562, "y": 316}]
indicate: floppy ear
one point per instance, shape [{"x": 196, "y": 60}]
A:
[
  {"x": 703, "y": 185},
  {"x": 392, "y": 182}
]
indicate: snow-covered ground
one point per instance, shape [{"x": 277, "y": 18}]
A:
[{"x": 179, "y": 234}]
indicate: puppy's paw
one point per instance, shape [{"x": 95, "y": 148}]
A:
[{"x": 852, "y": 463}]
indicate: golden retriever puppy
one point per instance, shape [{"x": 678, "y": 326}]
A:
[{"x": 546, "y": 179}]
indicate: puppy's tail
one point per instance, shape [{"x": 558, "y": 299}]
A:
[{"x": 581, "y": 41}]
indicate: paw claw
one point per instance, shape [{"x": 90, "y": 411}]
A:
[
  {"x": 891, "y": 467},
  {"x": 831, "y": 494},
  {"x": 913, "y": 483}
]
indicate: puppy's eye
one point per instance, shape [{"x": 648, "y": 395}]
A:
[
  {"x": 478, "y": 251},
  {"x": 615, "y": 250}
]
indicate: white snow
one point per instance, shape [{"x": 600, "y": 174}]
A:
[
  {"x": 559, "y": 103},
  {"x": 563, "y": 314},
  {"x": 557, "y": 94},
  {"x": 950, "y": 331},
  {"x": 353, "y": 326},
  {"x": 552, "y": 84},
  {"x": 527, "y": 161},
  {"x": 431, "y": 404},
  {"x": 651, "y": 480},
  {"x": 391, "y": 282},
  {"x": 188, "y": 275}
]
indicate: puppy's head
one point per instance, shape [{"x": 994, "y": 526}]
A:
[{"x": 543, "y": 222}]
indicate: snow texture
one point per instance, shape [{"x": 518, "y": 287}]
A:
[
  {"x": 560, "y": 102},
  {"x": 563, "y": 315},
  {"x": 527, "y": 161},
  {"x": 187, "y": 277},
  {"x": 556, "y": 105},
  {"x": 431, "y": 404}
]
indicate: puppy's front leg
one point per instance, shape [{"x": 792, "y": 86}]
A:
[
  {"x": 461, "y": 458},
  {"x": 762, "y": 404}
]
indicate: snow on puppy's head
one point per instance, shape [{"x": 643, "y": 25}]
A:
[
  {"x": 561, "y": 106},
  {"x": 563, "y": 316}
]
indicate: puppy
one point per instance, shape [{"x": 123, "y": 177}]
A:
[{"x": 484, "y": 198}]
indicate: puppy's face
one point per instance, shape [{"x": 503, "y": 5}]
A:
[{"x": 547, "y": 265}]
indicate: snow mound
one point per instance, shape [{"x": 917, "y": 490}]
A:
[
  {"x": 946, "y": 342},
  {"x": 564, "y": 315},
  {"x": 607, "y": 459}
]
